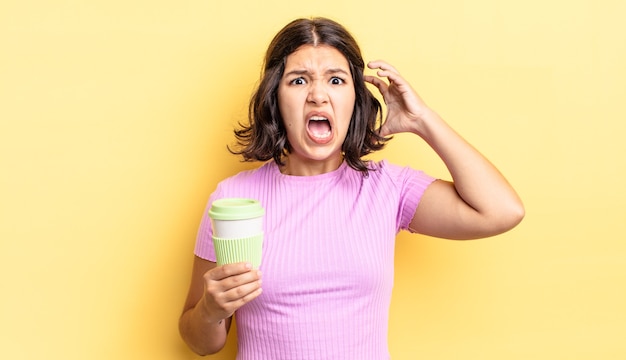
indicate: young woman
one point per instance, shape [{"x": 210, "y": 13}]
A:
[{"x": 332, "y": 217}]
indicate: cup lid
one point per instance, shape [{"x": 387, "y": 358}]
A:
[{"x": 235, "y": 209}]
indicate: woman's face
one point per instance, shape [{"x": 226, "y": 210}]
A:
[{"x": 316, "y": 99}]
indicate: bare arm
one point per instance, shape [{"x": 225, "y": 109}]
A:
[
  {"x": 479, "y": 202},
  {"x": 215, "y": 293}
]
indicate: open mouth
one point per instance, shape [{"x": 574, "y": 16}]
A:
[{"x": 319, "y": 128}]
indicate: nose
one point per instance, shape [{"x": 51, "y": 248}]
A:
[{"x": 317, "y": 93}]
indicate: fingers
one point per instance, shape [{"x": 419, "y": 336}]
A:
[
  {"x": 238, "y": 296},
  {"x": 382, "y": 65},
  {"x": 385, "y": 70},
  {"x": 231, "y": 286},
  {"x": 228, "y": 270},
  {"x": 381, "y": 85},
  {"x": 231, "y": 277}
]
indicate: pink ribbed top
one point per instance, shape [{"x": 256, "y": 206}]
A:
[{"x": 327, "y": 259}]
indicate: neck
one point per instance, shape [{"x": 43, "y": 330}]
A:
[{"x": 309, "y": 168}]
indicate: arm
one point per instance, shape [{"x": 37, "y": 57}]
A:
[
  {"x": 215, "y": 293},
  {"x": 479, "y": 202}
]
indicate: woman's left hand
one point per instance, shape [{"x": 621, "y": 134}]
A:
[{"x": 405, "y": 109}]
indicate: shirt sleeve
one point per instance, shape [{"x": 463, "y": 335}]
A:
[{"x": 412, "y": 185}]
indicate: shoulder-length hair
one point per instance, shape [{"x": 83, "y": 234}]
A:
[{"x": 265, "y": 137}]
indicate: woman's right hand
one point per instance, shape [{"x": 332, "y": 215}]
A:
[{"x": 229, "y": 287}]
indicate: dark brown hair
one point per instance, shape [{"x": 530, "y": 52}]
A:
[{"x": 265, "y": 136}]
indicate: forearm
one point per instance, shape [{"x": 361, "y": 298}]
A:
[
  {"x": 203, "y": 335},
  {"x": 476, "y": 180}
]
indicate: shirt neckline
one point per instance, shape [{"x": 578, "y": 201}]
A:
[{"x": 308, "y": 178}]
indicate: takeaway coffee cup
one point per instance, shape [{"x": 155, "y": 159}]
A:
[{"x": 237, "y": 230}]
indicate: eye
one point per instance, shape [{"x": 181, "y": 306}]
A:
[
  {"x": 297, "y": 81},
  {"x": 336, "y": 80}
]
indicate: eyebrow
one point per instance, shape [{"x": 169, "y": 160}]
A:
[{"x": 327, "y": 72}]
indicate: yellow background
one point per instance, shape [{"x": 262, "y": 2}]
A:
[{"x": 114, "y": 121}]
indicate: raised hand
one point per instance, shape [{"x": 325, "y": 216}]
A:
[{"x": 405, "y": 109}]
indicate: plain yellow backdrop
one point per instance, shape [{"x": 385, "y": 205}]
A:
[{"x": 114, "y": 121}]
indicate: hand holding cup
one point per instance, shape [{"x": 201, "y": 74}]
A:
[{"x": 229, "y": 287}]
